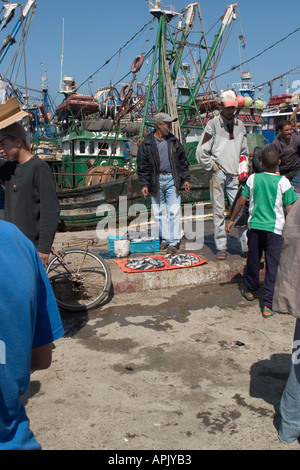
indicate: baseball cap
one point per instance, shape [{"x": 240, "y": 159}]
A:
[
  {"x": 14, "y": 130},
  {"x": 164, "y": 117},
  {"x": 228, "y": 98}
]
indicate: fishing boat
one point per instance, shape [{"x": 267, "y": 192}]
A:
[
  {"x": 91, "y": 141},
  {"x": 280, "y": 107},
  {"x": 99, "y": 144}
]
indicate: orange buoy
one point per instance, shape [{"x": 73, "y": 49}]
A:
[{"x": 240, "y": 100}]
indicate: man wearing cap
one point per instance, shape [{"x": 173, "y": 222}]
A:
[
  {"x": 30, "y": 194},
  {"x": 224, "y": 141},
  {"x": 162, "y": 168}
]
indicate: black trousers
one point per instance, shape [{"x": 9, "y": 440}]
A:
[{"x": 270, "y": 243}]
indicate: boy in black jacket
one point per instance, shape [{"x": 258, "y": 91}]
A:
[{"x": 30, "y": 194}]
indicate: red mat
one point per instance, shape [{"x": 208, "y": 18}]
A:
[{"x": 122, "y": 262}]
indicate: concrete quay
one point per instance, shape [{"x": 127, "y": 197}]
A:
[{"x": 213, "y": 271}]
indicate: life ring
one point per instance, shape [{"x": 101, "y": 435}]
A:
[
  {"x": 137, "y": 63},
  {"x": 126, "y": 91}
]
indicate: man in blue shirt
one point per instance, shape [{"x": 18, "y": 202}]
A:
[{"x": 29, "y": 323}]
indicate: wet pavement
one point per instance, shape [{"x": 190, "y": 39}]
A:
[
  {"x": 176, "y": 307},
  {"x": 162, "y": 370},
  {"x": 190, "y": 365}
]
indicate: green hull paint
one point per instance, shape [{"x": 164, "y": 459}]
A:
[{"x": 83, "y": 208}]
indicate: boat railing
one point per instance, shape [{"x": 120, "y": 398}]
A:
[
  {"x": 79, "y": 174},
  {"x": 159, "y": 6},
  {"x": 243, "y": 87}
]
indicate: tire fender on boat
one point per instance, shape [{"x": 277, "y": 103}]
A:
[
  {"x": 126, "y": 91},
  {"x": 137, "y": 63}
]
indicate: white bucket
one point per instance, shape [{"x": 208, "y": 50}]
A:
[{"x": 121, "y": 248}]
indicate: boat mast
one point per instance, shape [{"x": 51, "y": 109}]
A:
[
  {"x": 10, "y": 40},
  {"x": 62, "y": 55},
  {"x": 163, "y": 16},
  {"x": 227, "y": 18},
  {"x": 188, "y": 24},
  {"x": 164, "y": 89}
]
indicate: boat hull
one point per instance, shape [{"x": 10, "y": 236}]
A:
[{"x": 83, "y": 208}]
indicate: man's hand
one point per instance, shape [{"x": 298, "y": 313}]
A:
[
  {"x": 145, "y": 191},
  {"x": 228, "y": 226},
  {"x": 187, "y": 186},
  {"x": 44, "y": 257}
]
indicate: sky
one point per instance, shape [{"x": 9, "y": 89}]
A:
[{"x": 86, "y": 33}]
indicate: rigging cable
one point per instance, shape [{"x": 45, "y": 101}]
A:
[
  {"x": 242, "y": 38},
  {"x": 278, "y": 77},
  {"x": 25, "y": 30},
  {"x": 259, "y": 54},
  {"x": 118, "y": 52}
]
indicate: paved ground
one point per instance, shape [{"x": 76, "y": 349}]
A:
[{"x": 148, "y": 370}]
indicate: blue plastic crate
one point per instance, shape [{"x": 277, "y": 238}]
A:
[{"x": 145, "y": 246}]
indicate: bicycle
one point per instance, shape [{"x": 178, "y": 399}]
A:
[{"x": 80, "y": 279}]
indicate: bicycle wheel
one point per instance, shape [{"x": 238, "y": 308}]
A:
[{"x": 80, "y": 280}]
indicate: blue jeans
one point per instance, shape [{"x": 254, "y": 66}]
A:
[
  {"x": 166, "y": 210},
  {"x": 221, "y": 184},
  {"x": 295, "y": 182},
  {"x": 289, "y": 429}
]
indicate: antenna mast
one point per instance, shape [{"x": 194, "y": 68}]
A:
[{"x": 62, "y": 55}]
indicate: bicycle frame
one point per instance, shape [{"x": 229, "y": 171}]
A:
[{"x": 72, "y": 244}]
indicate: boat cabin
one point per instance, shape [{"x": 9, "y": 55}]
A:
[{"x": 84, "y": 149}]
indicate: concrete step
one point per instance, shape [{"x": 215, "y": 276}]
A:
[{"x": 214, "y": 271}]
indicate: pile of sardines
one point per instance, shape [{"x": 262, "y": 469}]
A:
[{"x": 144, "y": 264}]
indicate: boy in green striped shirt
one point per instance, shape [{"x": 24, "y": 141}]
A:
[{"x": 267, "y": 192}]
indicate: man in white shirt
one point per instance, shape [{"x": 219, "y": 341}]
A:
[{"x": 224, "y": 141}]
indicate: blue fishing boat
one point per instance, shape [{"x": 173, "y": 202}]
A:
[{"x": 280, "y": 107}]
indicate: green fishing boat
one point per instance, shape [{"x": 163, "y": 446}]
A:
[{"x": 96, "y": 161}]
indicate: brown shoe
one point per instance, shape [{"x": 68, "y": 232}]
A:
[
  {"x": 172, "y": 250},
  {"x": 164, "y": 245}
]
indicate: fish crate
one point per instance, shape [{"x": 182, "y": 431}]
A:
[{"x": 143, "y": 246}]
